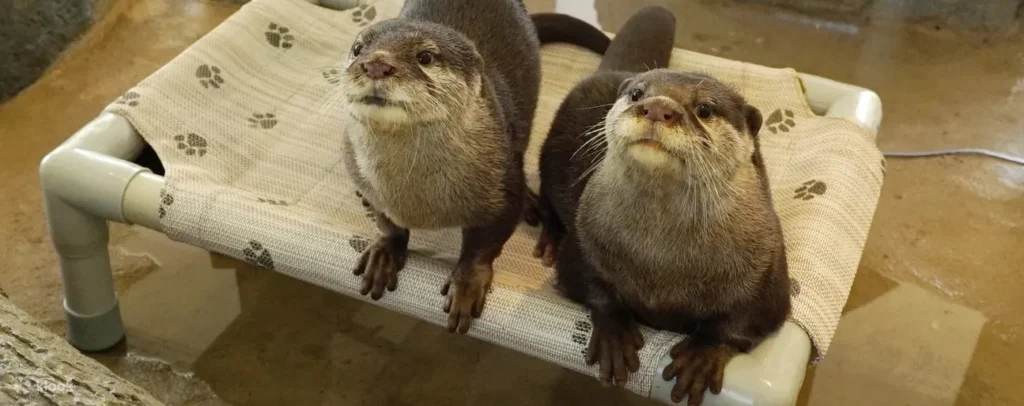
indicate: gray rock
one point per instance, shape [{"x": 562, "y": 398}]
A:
[
  {"x": 33, "y": 34},
  {"x": 39, "y": 367}
]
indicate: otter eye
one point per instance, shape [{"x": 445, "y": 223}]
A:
[
  {"x": 425, "y": 58},
  {"x": 357, "y": 49},
  {"x": 636, "y": 94},
  {"x": 703, "y": 111}
]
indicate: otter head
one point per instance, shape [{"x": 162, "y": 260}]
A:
[
  {"x": 401, "y": 71},
  {"x": 684, "y": 125}
]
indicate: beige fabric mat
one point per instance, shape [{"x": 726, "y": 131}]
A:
[{"x": 254, "y": 171}]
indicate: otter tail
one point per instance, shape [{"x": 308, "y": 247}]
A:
[
  {"x": 554, "y": 27},
  {"x": 645, "y": 42}
]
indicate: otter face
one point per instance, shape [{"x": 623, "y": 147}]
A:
[
  {"x": 686, "y": 124},
  {"x": 401, "y": 71}
]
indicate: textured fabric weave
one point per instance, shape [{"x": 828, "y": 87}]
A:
[{"x": 254, "y": 171}]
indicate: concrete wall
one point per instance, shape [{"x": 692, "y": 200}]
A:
[
  {"x": 991, "y": 14},
  {"x": 33, "y": 33}
]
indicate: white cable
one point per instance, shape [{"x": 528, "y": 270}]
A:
[{"x": 957, "y": 151}]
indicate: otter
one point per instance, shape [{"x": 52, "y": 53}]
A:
[
  {"x": 441, "y": 101},
  {"x": 656, "y": 209}
]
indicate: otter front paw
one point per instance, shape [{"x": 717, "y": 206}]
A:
[
  {"x": 466, "y": 292},
  {"x": 614, "y": 346},
  {"x": 697, "y": 367},
  {"x": 379, "y": 266}
]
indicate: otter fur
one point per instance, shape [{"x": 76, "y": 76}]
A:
[
  {"x": 441, "y": 101},
  {"x": 656, "y": 209}
]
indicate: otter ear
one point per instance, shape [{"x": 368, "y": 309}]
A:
[{"x": 753, "y": 117}]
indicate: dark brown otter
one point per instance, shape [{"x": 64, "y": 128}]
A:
[
  {"x": 656, "y": 207},
  {"x": 441, "y": 102}
]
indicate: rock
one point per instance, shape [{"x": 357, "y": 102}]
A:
[{"x": 39, "y": 367}]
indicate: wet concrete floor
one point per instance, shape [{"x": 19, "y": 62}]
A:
[{"x": 933, "y": 318}]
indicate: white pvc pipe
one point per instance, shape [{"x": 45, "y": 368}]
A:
[
  {"x": 770, "y": 374},
  {"x": 83, "y": 181},
  {"x": 836, "y": 99}
]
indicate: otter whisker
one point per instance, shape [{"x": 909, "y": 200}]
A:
[{"x": 595, "y": 107}]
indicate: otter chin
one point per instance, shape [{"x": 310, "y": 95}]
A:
[
  {"x": 379, "y": 110},
  {"x": 649, "y": 152}
]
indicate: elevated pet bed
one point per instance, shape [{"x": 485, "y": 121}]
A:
[{"x": 243, "y": 123}]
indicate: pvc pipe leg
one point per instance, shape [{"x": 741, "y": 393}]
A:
[
  {"x": 90, "y": 305},
  {"x": 84, "y": 182}
]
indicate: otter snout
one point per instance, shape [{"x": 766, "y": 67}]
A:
[
  {"x": 658, "y": 111},
  {"x": 378, "y": 69}
]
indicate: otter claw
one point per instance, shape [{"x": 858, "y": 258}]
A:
[
  {"x": 696, "y": 368},
  {"x": 615, "y": 347},
  {"x": 466, "y": 295},
  {"x": 379, "y": 266}
]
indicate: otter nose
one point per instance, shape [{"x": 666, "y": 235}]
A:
[
  {"x": 659, "y": 112},
  {"x": 378, "y": 69}
]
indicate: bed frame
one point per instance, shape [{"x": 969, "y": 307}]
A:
[{"x": 89, "y": 180}]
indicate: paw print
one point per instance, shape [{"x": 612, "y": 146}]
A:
[
  {"x": 780, "y": 120},
  {"x": 358, "y": 243},
  {"x": 278, "y": 36},
  {"x": 364, "y": 15},
  {"x": 794, "y": 287},
  {"x": 130, "y": 99},
  {"x": 264, "y": 121},
  {"x": 332, "y": 76},
  {"x": 166, "y": 200},
  {"x": 256, "y": 254},
  {"x": 272, "y": 202},
  {"x": 209, "y": 76},
  {"x": 191, "y": 143},
  {"x": 809, "y": 190},
  {"x": 582, "y": 333}
]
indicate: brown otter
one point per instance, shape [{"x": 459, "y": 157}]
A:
[
  {"x": 655, "y": 201},
  {"x": 441, "y": 102}
]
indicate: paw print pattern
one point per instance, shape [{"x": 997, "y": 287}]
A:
[
  {"x": 794, "y": 287},
  {"x": 358, "y": 244},
  {"x": 191, "y": 143},
  {"x": 780, "y": 120},
  {"x": 130, "y": 99},
  {"x": 265, "y": 121},
  {"x": 166, "y": 200},
  {"x": 332, "y": 76},
  {"x": 256, "y": 254},
  {"x": 209, "y": 76},
  {"x": 581, "y": 333},
  {"x": 272, "y": 202},
  {"x": 810, "y": 190},
  {"x": 278, "y": 36},
  {"x": 364, "y": 15}
]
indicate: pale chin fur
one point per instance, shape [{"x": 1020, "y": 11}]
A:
[{"x": 384, "y": 115}]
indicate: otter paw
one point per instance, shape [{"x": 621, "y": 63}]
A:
[
  {"x": 466, "y": 293},
  {"x": 379, "y": 265},
  {"x": 614, "y": 346},
  {"x": 697, "y": 367},
  {"x": 546, "y": 248}
]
